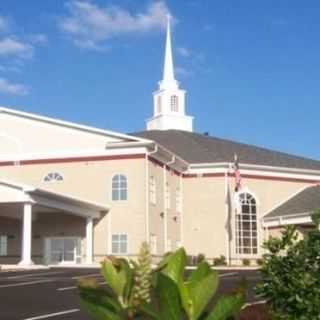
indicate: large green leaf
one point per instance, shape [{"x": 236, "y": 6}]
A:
[
  {"x": 227, "y": 306},
  {"x": 169, "y": 299},
  {"x": 99, "y": 296},
  {"x": 200, "y": 292},
  {"x": 99, "y": 312},
  {"x": 202, "y": 271},
  {"x": 174, "y": 265},
  {"x": 116, "y": 276}
]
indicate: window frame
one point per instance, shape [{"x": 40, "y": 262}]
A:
[
  {"x": 246, "y": 225},
  {"x": 117, "y": 189},
  {"x": 119, "y": 242},
  {"x": 3, "y": 249},
  {"x": 53, "y": 176},
  {"x": 174, "y": 103}
]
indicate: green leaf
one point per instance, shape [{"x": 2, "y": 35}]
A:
[
  {"x": 201, "y": 290},
  {"x": 117, "y": 275},
  {"x": 149, "y": 311},
  {"x": 174, "y": 264},
  {"x": 99, "y": 296},
  {"x": 99, "y": 312},
  {"x": 202, "y": 271},
  {"x": 169, "y": 299},
  {"x": 227, "y": 306}
]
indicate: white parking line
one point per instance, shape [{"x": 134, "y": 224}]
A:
[
  {"x": 74, "y": 287},
  {"x": 24, "y": 283},
  {"x": 224, "y": 275},
  {"x": 51, "y": 315},
  {"x": 40, "y": 274},
  {"x": 86, "y": 276}
]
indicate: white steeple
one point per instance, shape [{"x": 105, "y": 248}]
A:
[
  {"x": 168, "y": 80},
  {"x": 169, "y": 100}
]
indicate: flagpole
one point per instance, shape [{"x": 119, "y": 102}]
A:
[{"x": 226, "y": 194}]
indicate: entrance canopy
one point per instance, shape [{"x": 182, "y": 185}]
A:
[
  {"x": 21, "y": 201},
  {"x": 12, "y": 195}
]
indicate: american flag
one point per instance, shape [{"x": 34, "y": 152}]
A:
[{"x": 237, "y": 174}]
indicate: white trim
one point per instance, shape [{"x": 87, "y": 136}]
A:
[
  {"x": 58, "y": 154},
  {"x": 253, "y": 167},
  {"x": 182, "y": 212},
  {"x": 68, "y": 124},
  {"x": 165, "y": 209},
  {"x": 300, "y": 218}
]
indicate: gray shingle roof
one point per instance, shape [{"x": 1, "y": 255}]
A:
[
  {"x": 198, "y": 148},
  {"x": 305, "y": 201}
]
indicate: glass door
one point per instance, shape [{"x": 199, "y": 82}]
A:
[{"x": 62, "y": 250}]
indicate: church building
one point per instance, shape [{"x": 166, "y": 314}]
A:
[{"x": 72, "y": 194}]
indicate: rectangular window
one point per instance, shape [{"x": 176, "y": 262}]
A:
[
  {"x": 152, "y": 188},
  {"x": 119, "y": 244},
  {"x": 3, "y": 245}
]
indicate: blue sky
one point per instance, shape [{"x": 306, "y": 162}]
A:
[{"x": 251, "y": 68}]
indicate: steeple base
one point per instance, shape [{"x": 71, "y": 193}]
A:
[{"x": 167, "y": 122}]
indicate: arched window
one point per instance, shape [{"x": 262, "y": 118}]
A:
[
  {"x": 53, "y": 176},
  {"x": 119, "y": 187},
  {"x": 174, "y": 103},
  {"x": 246, "y": 225}
]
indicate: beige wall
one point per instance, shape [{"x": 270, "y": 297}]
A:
[
  {"x": 204, "y": 222},
  {"x": 204, "y": 208},
  {"x": 204, "y": 216},
  {"x": 91, "y": 181}
]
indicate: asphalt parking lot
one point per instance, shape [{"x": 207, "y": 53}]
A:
[{"x": 53, "y": 294}]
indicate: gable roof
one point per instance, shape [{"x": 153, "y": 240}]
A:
[
  {"x": 196, "y": 148},
  {"x": 306, "y": 201},
  {"x": 68, "y": 124}
]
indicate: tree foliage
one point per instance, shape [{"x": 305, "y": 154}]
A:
[
  {"x": 291, "y": 274},
  {"x": 135, "y": 291}
]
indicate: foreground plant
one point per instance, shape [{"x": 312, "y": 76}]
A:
[
  {"x": 291, "y": 274},
  {"x": 134, "y": 292}
]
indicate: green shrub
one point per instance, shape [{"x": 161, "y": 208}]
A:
[
  {"x": 200, "y": 258},
  {"x": 291, "y": 275},
  {"x": 259, "y": 262},
  {"x": 246, "y": 262},
  {"x": 134, "y": 291},
  {"x": 220, "y": 261}
]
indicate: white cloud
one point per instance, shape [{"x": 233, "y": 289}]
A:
[
  {"x": 183, "y": 72},
  {"x": 183, "y": 51},
  {"x": 12, "y": 47},
  {"x": 13, "y": 88},
  {"x": 39, "y": 38},
  {"x": 90, "y": 25}
]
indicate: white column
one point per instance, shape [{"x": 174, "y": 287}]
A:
[
  {"x": 89, "y": 241},
  {"x": 26, "y": 245}
]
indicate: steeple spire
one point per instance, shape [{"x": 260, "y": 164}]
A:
[
  {"x": 168, "y": 80},
  {"x": 169, "y": 100}
]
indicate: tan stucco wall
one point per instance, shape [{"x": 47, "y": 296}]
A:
[
  {"x": 91, "y": 180},
  {"x": 204, "y": 218}
]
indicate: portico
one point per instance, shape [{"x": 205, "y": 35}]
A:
[{"x": 49, "y": 212}]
